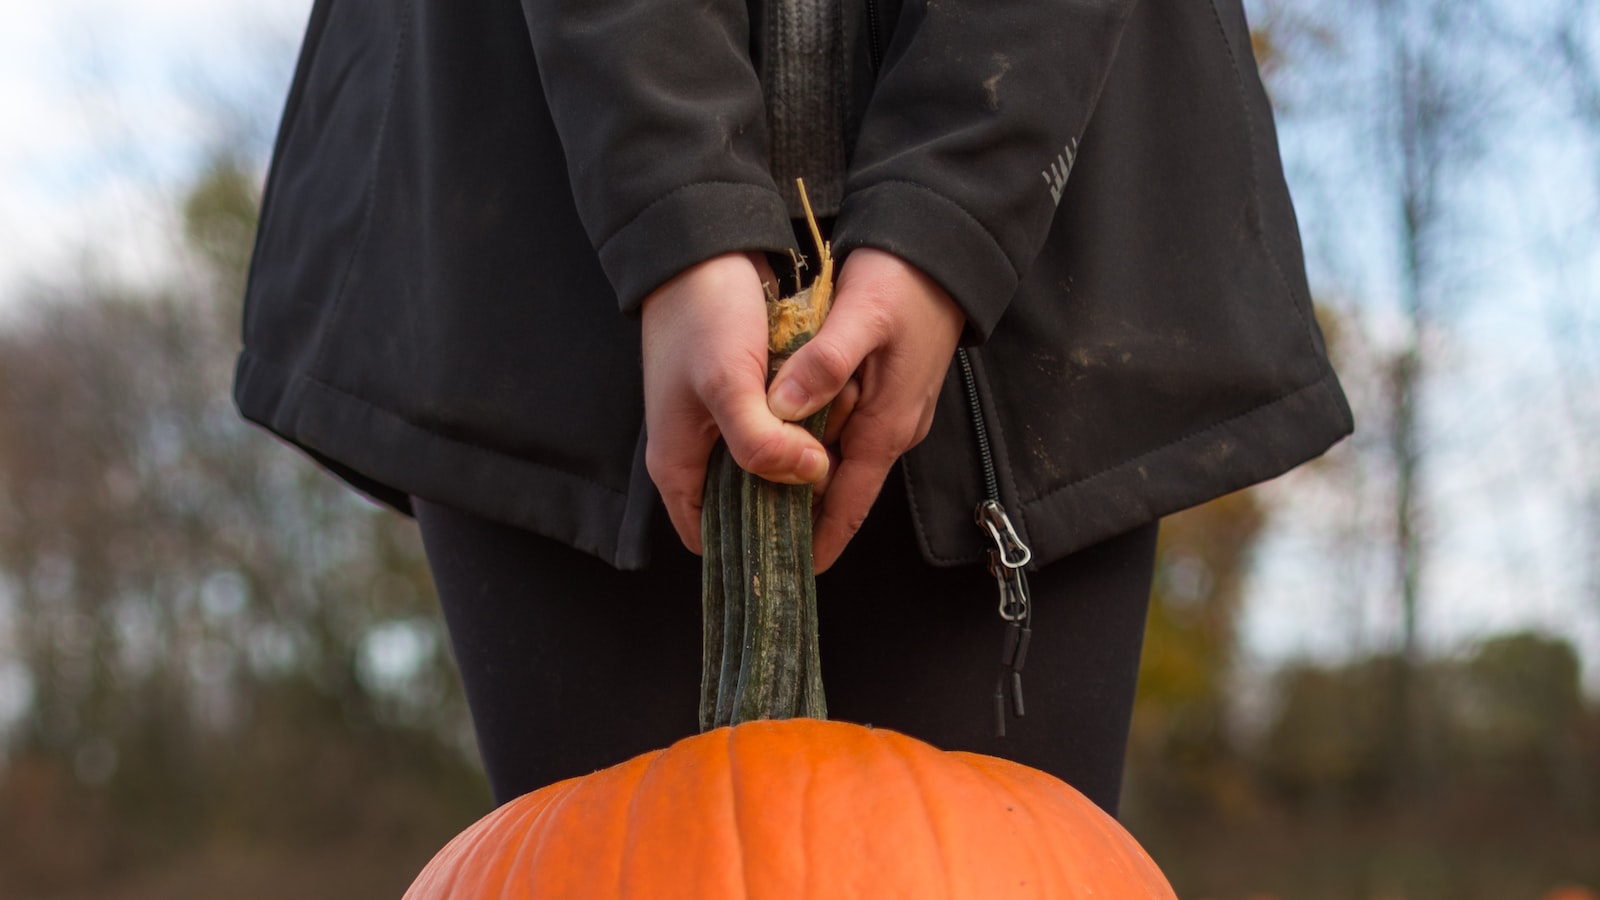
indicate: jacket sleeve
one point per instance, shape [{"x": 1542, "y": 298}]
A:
[
  {"x": 969, "y": 135},
  {"x": 660, "y": 115}
]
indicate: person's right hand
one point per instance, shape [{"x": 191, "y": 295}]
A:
[{"x": 704, "y": 336}]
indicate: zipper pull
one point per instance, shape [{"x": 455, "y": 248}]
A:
[
  {"x": 1006, "y": 561},
  {"x": 992, "y": 518},
  {"x": 1013, "y": 584}
]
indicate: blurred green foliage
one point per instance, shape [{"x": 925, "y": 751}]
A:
[
  {"x": 228, "y": 671},
  {"x": 1308, "y": 798}
]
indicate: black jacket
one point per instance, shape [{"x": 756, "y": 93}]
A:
[{"x": 469, "y": 197}]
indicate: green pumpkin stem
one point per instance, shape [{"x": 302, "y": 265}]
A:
[{"x": 758, "y": 585}]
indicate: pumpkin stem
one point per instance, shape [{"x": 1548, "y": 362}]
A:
[{"x": 758, "y": 582}]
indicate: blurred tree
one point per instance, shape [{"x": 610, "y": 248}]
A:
[
  {"x": 202, "y": 617},
  {"x": 1382, "y": 771},
  {"x": 1331, "y": 742},
  {"x": 1430, "y": 108},
  {"x": 1517, "y": 709},
  {"x": 219, "y": 226},
  {"x": 1511, "y": 714},
  {"x": 1519, "y": 695},
  {"x": 1400, "y": 89}
]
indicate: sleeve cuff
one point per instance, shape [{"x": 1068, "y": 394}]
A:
[
  {"x": 939, "y": 237},
  {"x": 688, "y": 225}
]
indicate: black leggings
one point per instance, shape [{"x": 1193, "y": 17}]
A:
[{"x": 570, "y": 665}]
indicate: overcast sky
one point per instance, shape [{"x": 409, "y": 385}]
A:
[{"x": 105, "y": 105}]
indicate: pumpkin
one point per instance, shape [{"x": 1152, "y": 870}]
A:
[
  {"x": 798, "y": 808},
  {"x": 771, "y": 800}
]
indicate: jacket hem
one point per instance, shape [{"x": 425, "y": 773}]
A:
[
  {"x": 389, "y": 460},
  {"x": 1231, "y": 455}
]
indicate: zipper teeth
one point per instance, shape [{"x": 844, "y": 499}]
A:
[
  {"x": 991, "y": 483},
  {"x": 874, "y": 36}
]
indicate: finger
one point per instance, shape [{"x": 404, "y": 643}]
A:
[
  {"x": 839, "y": 412},
  {"x": 684, "y": 510},
  {"x": 764, "y": 445},
  {"x": 817, "y": 372},
  {"x": 869, "y": 445},
  {"x": 851, "y": 493},
  {"x": 675, "y": 457},
  {"x": 819, "y": 489}
]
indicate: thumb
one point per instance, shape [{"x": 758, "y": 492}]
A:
[
  {"x": 817, "y": 372},
  {"x": 763, "y": 445}
]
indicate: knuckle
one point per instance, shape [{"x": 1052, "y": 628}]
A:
[
  {"x": 672, "y": 478},
  {"x": 711, "y": 383},
  {"x": 763, "y": 454},
  {"x": 903, "y": 437},
  {"x": 880, "y": 316},
  {"x": 876, "y": 302},
  {"x": 716, "y": 380},
  {"x": 887, "y": 439},
  {"x": 656, "y": 463},
  {"x": 831, "y": 362}
]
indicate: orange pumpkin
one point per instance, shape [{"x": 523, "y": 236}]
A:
[{"x": 800, "y": 808}]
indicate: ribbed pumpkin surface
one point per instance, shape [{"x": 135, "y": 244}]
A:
[{"x": 773, "y": 810}]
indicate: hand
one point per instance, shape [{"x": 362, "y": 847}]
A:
[
  {"x": 704, "y": 339},
  {"x": 883, "y": 351}
]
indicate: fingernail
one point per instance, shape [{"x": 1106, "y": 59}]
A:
[
  {"x": 813, "y": 466},
  {"x": 788, "y": 400}
]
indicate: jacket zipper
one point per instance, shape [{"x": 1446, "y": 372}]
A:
[
  {"x": 1007, "y": 557},
  {"x": 1009, "y": 554}
]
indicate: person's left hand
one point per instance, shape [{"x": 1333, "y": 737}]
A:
[{"x": 881, "y": 355}]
